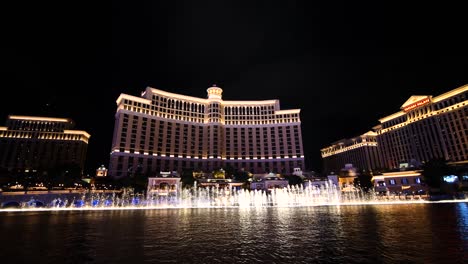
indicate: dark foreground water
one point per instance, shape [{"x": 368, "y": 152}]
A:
[{"x": 409, "y": 233}]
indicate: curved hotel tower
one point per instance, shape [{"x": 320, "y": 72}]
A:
[{"x": 162, "y": 131}]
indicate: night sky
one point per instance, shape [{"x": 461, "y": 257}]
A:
[{"x": 357, "y": 60}]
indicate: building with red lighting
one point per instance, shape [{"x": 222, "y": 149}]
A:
[{"x": 426, "y": 127}]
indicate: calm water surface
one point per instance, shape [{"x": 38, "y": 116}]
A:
[{"x": 412, "y": 233}]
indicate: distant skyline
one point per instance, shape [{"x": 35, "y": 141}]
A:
[{"x": 358, "y": 62}]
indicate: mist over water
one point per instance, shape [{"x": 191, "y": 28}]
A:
[{"x": 196, "y": 197}]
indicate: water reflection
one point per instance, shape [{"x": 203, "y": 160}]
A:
[
  {"x": 410, "y": 233},
  {"x": 462, "y": 219}
]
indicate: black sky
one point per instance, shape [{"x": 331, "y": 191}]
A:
[{"x": 357, "y": 60}]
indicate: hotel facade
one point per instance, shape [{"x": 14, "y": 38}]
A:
[
  {"x": 36, "y": 145},
  {"x": 163, "y": 131},
  {"x": 426, "y": 127},
  {"x": 361, "y": 151}
]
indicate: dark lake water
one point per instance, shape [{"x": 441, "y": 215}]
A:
[{"x": 409, "y": 233}]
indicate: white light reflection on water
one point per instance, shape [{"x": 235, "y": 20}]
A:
[{"x": 407, "y": 233}]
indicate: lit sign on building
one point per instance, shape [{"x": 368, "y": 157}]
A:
[
  {"x": 417, "y": 104},
  {"x": 450, "y": 178}
]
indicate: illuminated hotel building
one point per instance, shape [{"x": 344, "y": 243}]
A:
[
  {"x": 361, "y": 151},
  {"x": 162, "y": 131},
  {"x": 35, "y": 145},
  {"x": 427, "y": 127}
]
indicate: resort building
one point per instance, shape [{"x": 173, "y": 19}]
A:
[
  {"x": 163, "y": 131},
  {"x": 361, "y": 151},
  {"x": 400, "y": 181},
  {"x": 426, "y": 127},
  {"x": 217, "y": 179},
  {"x": 36, "y": 146},
  {"x": 269, "y": 182},
  {"x": 165, "y": 184}
]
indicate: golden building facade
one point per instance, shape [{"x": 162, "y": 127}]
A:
[
  {"x": 162, "y": 131},
  {"x": 361, "y": 151},
  {"x": 426, "y": 127},
  {"x": 36, "y": 145}
]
